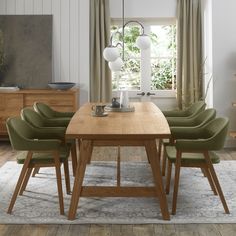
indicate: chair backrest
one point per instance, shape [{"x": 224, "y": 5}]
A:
[
  {"x": 209, "y": 137},
  {"x": 205, "y": 116},
  {"x": 32, "y": 117},
  {"x": 217, "y": 130},
  {"x": 43, "y": 109},
  {"x": 195, "y": 108},
  {"x": 19, "y": 133}
]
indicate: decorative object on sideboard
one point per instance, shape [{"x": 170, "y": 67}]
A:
[{"x": 61, "y": 85}]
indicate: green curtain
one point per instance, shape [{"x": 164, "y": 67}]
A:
[
  {"x": 189, "y": 52},
  {"x": 100, "y": 75}
]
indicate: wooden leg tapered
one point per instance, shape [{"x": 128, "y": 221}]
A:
[
  {"x": 59, "y": 182},
  {"x": 19, "y": 182},
  {"x": 85, "y": 152},
  {"x": 67, "y": 177},
  {"x": 90, "y": 154},
  {"x": 159, "y": 149},
  {"x": 74, "y": 157},
  {"x": 204, "y": 172},
  {"x": 163, "y": 170},
  {"x": 118, "y": 167},
  {"x": 151, "y": 150},
  {"x": 176, "y": 183},
  {"x": 26, "y": 179},
  {"x": 209, "y": 177},
  {"x": 216, "y": 182},
  {"x": 36, "y": 171},
  {"x": 168, "y": 178}
]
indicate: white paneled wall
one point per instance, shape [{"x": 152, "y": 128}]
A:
[{"x": 65, "y": 31}]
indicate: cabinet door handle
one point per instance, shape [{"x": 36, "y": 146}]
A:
[
  {"x": 142, "y": 94},
  {"x": 148, "y": 93}
]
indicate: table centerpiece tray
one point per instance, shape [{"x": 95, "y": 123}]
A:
[{"x": 119, "y": 109}]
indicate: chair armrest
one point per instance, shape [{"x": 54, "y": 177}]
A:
[
  {"x": 39, "y": 144},
  {"x": 174, "y": 113},
  {"x": 50, "y": 132},
  {"x": 195, "y": 144},
  {"x": 64, "y": 114},
  {"x": 186, "y": 132},
  {"x": 57, "y": 122},
  {"x": 181, "y": 121}
]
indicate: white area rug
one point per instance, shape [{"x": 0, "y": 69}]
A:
[{"x": 196, "y": 202}]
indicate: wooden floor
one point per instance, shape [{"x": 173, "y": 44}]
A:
[{"x": 7, "y": 154}]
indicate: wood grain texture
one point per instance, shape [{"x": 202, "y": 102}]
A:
[
  {"x": 146, "y": 122},
  {"x": 12, "y": 103},
  {"x": 141, "y": 127}
]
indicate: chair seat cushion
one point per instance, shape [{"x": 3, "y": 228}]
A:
[
  {"x": 44, "y": 157},
  {"x": 190, "y": 158}
]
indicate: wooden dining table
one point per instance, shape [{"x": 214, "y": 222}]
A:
[{"x": 139, "y": 128}]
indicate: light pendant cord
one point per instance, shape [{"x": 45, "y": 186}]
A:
[{"x": 123, "y": 29}]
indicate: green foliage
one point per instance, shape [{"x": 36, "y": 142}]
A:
[
  {"x": 163, "y": 70},
  {"x": 162, "y": 73}
]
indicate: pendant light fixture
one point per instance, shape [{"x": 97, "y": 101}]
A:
[{"x": 111, "y": 53}]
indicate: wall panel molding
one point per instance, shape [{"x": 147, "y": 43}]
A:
[
  {"x": 20, "y": 7},
  {"x": 3, "y": 7},
  {"x": 11, "y": 7}
]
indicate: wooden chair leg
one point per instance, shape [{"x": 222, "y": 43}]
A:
[
  {"x": 209, "y": 177},
  {"x": 36, "y": 171},
  {"x": 90, "y": 155},
  {"x": 216, "y": 182},
  {"x": 159, "y": 150},
  {"x": 163, "y": 170},
  {"x": 176, "y": 184},
  {"x": 19, "y": 182},
  {"x": 74, "y": 157},
  {"x": 204, "y": 172},
  {"x": 168, "y": 178},
  {"x": 26, "y": 179},
  {"x": 67, "y": 177},
  {"x": 59, "y": 184}
]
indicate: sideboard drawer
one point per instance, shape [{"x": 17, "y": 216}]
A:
[{"x": 11, "y": 103}]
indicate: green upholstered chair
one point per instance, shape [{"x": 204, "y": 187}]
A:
[
  {"x": 189, "y": 122},
  {"x": 36, "y": 120},
  {"x": 58, "y": 117},
  {"x": 40, "y": 149},
  {"x": 188, "y": 112},
  {"x": 188, "y": 127},
  {"x": 198, "y": 151},
  {"x": 47, "y": 111}
]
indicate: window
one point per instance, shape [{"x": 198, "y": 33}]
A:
[{"x": 155, "y": 67}]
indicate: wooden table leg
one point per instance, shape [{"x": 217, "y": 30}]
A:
[
  {"x": 152, "y": 154},
  {"x": 85, "y": 152}
]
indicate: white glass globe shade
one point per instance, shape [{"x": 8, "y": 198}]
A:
[
  {"x": 111, "y": 53},
  {"x": 143, "y": 42},
  {"x": 116, "y": 65}
]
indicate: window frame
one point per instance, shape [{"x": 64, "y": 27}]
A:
[{"x": 165, "y": 93}]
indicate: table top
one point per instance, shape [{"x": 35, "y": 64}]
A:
[{"x": 146, "y": 122}]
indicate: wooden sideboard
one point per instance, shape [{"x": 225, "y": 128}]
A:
[{"x": 11, "y": 103}]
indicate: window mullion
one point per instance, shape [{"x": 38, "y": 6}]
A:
[{"x": 146, "y": 65}]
